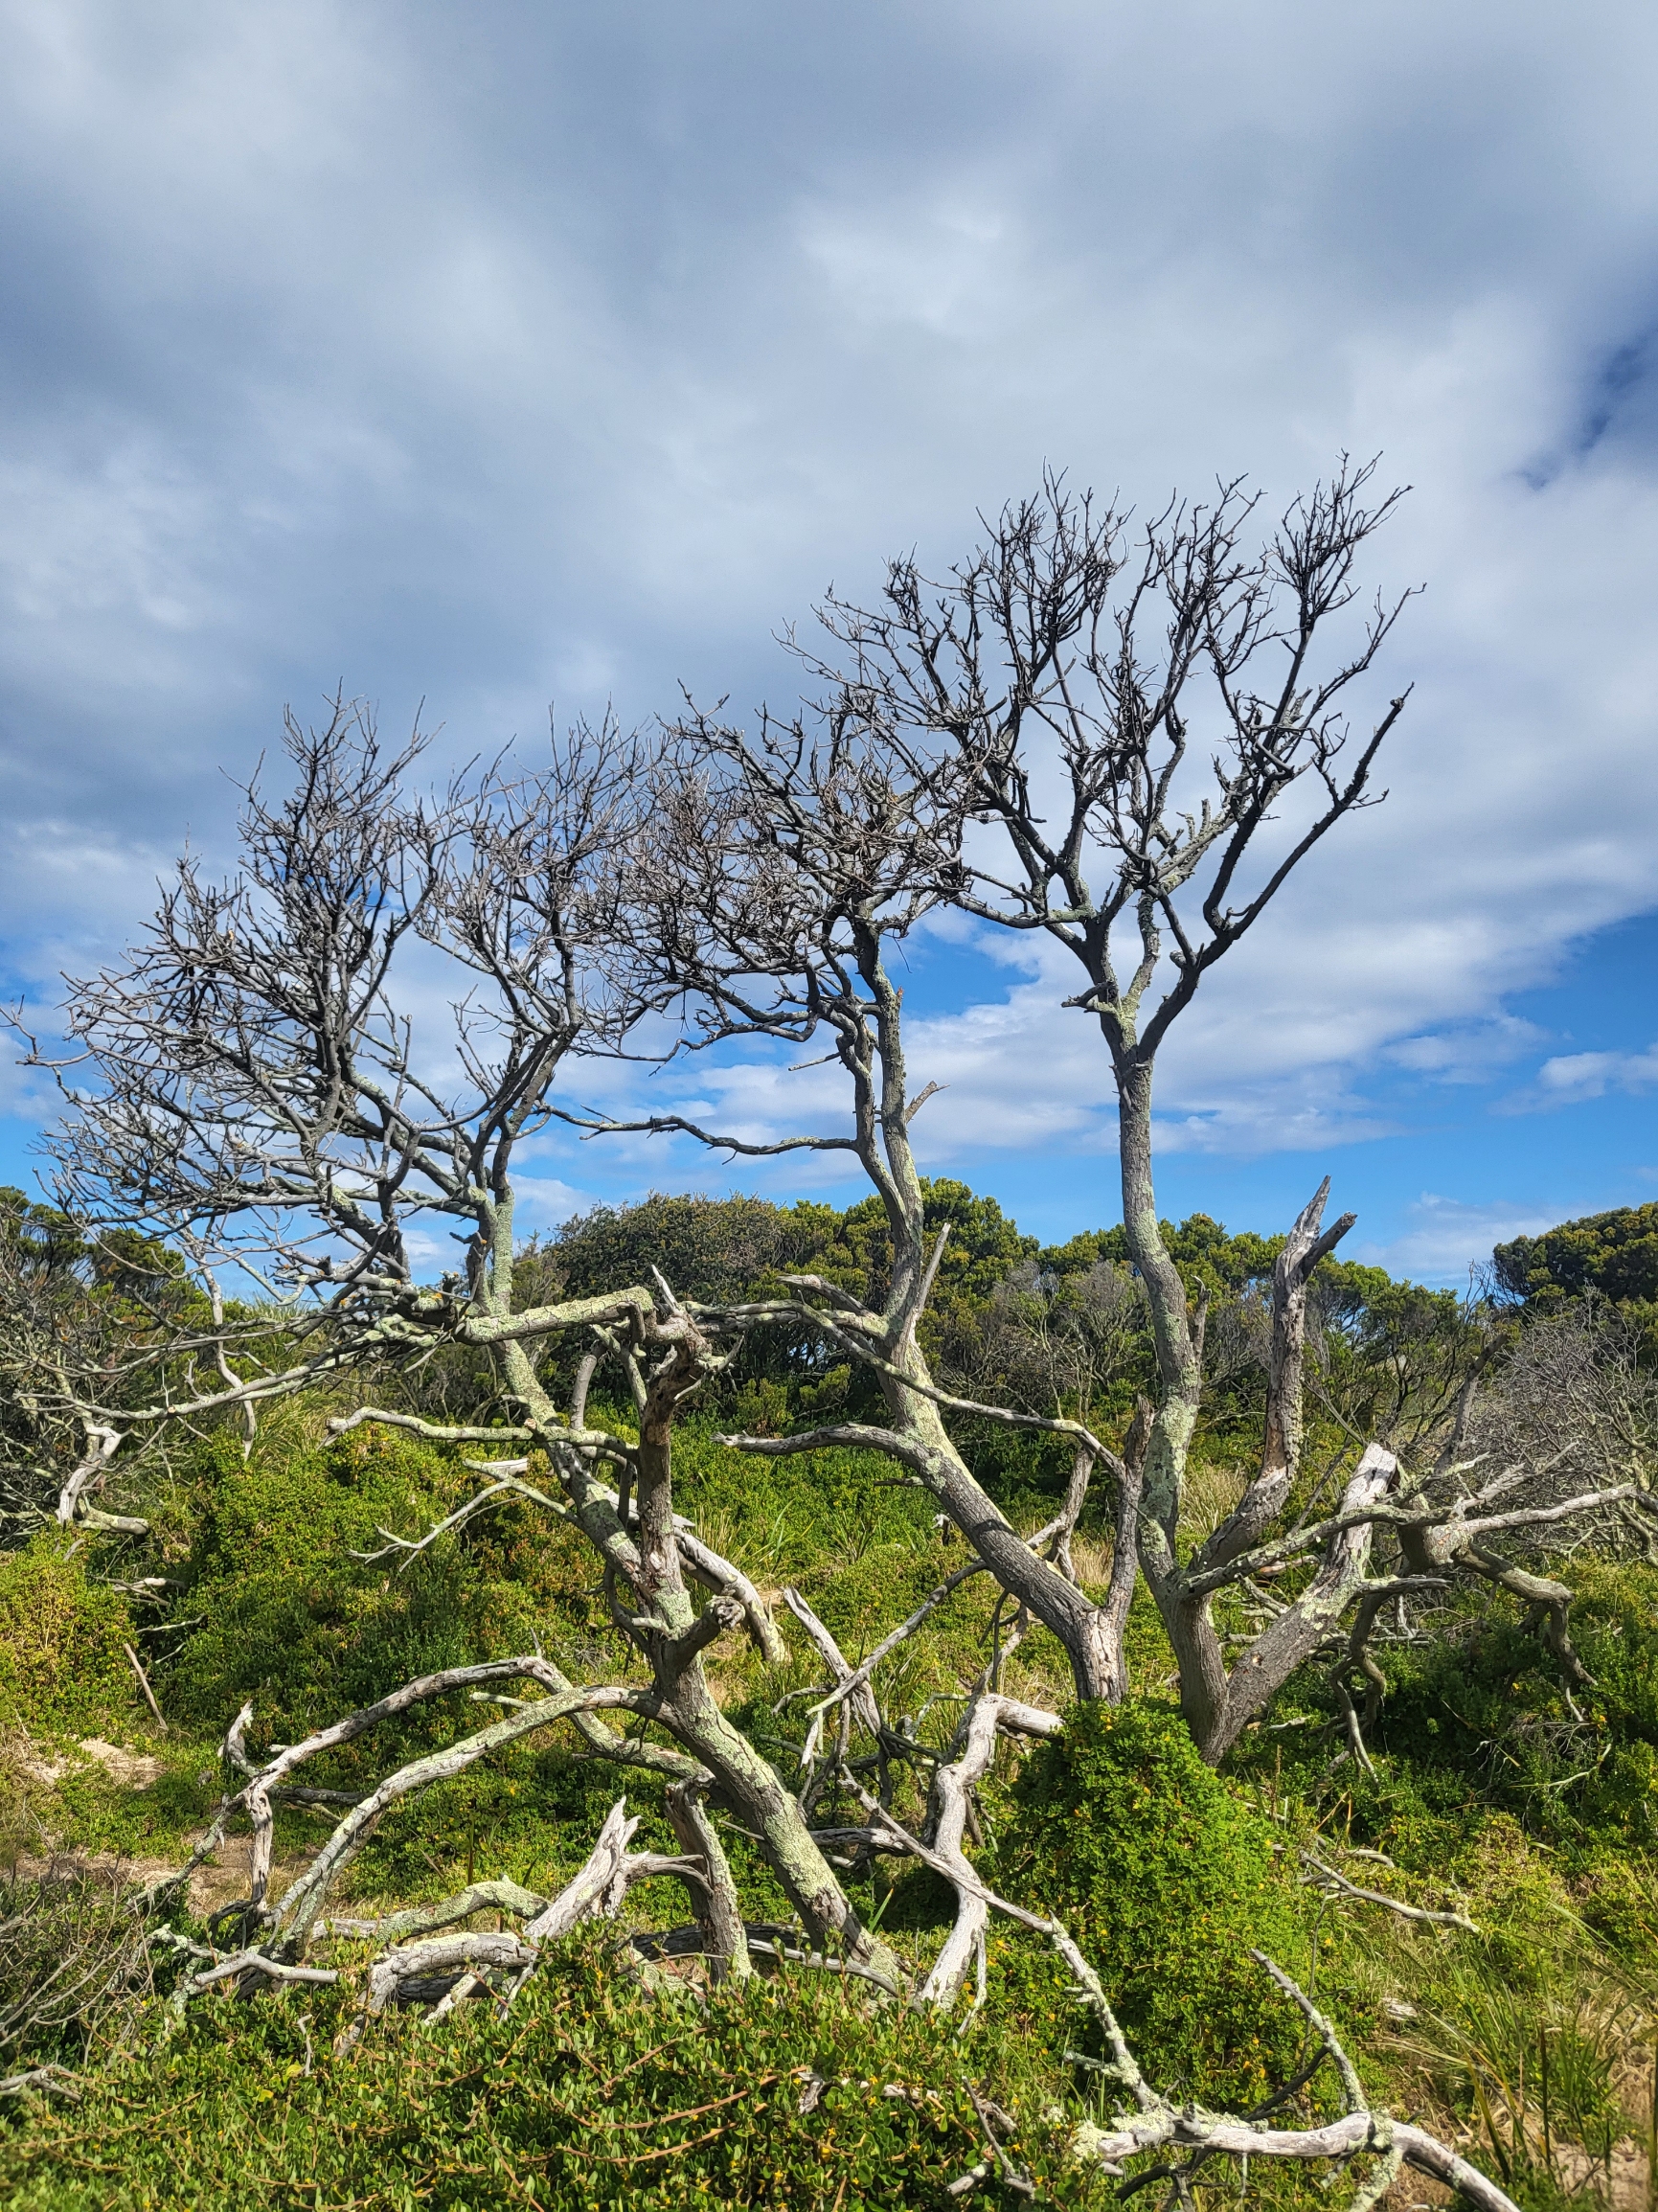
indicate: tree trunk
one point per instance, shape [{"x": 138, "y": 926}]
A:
[
  {"x": 1092, "y": 1637},
  {"x": 1274, "y": 1655},
  {"x": 742, "y": 1780},
  {"x": 1187, "y": 1619}
]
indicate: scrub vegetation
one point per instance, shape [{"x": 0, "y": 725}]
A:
[
  {"x": 616, "y": 2077},
  {"x": 734, "y": 1702}
]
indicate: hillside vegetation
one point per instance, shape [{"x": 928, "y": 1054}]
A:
[
  {"x": 1483, "y": 1788},
  {"x": 804, "y": 1706}
]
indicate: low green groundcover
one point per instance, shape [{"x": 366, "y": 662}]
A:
[{"x": 590, "y": 2094}]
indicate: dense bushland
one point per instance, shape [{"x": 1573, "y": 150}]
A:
[{"x": 1489, "y": 1790}]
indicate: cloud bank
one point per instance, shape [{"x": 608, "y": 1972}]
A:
[{"x": 516, "y": 352}]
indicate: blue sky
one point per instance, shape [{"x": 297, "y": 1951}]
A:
[{"x": 521, "y": 352}]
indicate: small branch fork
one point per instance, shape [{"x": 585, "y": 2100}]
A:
[
  {"x": 854, "y": 1699},
  {"x": 852, "y": 1682}
]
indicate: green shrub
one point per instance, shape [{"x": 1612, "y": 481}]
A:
[
  {"x": 791, "y": 1520},
  {"x": 1476, "y": 1716},
  {"x": 296, "y": 1623},
  {"x": 590, "y": 2094},
  {"x": 61, "y": 1664},
  {"x": 1166, "y": 1880}
]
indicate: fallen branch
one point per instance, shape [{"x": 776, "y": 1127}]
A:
[
  {"x": 133, "y": 1661},
  {"x": 42, "y": 2081},
  {"x": 449, "y": 1967},
  {"x": 500, "y": 1896},
  {"x": 297, "y": 1911},
  {"x": 820, "y": 1963},
  {"x": 1157, "y": 2121},
  {"x": 986, "y": 1717},
  {"x": 398, "y": 1978},
  {"x": 256, "y": 1962},
  {"x": 1347, "y": 1888}
]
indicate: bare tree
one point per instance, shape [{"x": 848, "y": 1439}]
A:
[
  {"x": 1397, "y": 1364},
  {"x": 1567, "y": 1420},
  {"x": 92, "y": 1326},
  {"x": 248, "y": 1082},
  {"x": 1050, "y": 1342},
  {"x": 1571, "y": 1400},
  {"x": 74, "y": 1965},
  {"x": 1054, "y": 684},
  {"x": 50, "y": 1327},
  {"x": 251, "y": 1082},
  {"x": 776, "y": 880}
]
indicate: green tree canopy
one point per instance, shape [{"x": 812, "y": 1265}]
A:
[{"x": 1614, "y": 1253}]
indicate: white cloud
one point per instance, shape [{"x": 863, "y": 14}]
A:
[
  {"x": 544, "y": 1202},
  {"x": 1471, "y": 1052},
  {"x": 1444, "y": 1237},
  {"x": 1572, "y": 1076}
]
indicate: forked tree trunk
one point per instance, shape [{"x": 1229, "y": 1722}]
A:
[
  {"x": 1217, "y": 1702},
  {"x": 668, "y": 1630}
]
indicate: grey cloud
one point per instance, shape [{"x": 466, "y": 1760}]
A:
[{"x": 499, "y": 352}]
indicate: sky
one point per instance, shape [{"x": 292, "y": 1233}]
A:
[{"x": 478, "y": 358}]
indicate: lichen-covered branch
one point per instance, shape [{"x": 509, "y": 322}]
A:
[{"x": 987, "y": 1717}]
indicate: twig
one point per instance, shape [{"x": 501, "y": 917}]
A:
[
  {"x": 1376, "y": 1896},
  {"x": 144, "y": 1684},
  {"x": 1352, "y": 2089},
  {"x": 42, "y": 2081},
  {"x": 820, "y": 1963}
]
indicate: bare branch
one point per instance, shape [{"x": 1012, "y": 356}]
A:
[
  {"x": 988, "y": 1716},
  {"x": 1340, "y": 1883}
]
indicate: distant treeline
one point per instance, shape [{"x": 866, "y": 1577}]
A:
[{"x": 1611, "y": 1256}]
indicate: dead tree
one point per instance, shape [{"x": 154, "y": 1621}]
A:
[
  {"x": 1064, "y": 678},
  {"x": 84, "y": 1320},
  {"x": 250, "y": 1080},
  {"x": 775, "y": 879}
]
